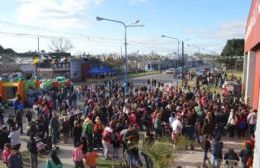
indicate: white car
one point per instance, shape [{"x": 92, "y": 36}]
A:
[{"x": 170, "y": 71}]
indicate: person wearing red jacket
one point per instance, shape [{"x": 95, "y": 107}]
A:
[{"x": 6, "y": 153}]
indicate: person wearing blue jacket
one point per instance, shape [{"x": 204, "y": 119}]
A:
[
  {"x": 15, "y": 160},
  {"x": 217, "y": 154}
]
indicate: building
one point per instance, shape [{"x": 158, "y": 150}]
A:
[
  {"x": 16, "y": 70},
  {"x": 79, "y": 69},
  {"x": 49, "y": 69},
  {"x": 75, "y": 69},
  {"x": 252, "y": 69},
  {"x": 158, "y": 65}
]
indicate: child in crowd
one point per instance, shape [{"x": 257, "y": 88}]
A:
[
  {"x": 91, "y": 158},
  {"x": 6, "y": 153},
  {"x": 77, "y": 156}
]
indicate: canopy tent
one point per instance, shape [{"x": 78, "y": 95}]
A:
[
  {"x": 102, "y": 70},
  {"x": 107, "y": 70},
  {"x": 95, "y": 70}
]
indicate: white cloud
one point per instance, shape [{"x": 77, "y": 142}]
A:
[
  {"x": 227, "y": 31},
  {"x": 55, "y": 13},
  {"x": 224, "y": 31},
  {"x": 216, "y": 37}
]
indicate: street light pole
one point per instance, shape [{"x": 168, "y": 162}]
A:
[
  {"x": 199, "y": 50},
  {"x": 126, "y": 63},
  {"x": 178, "y": 57},
  {"x": 197, "y": 63},
  {"x": 126, "y": 57},
  {"x": 182, "y": 62}
]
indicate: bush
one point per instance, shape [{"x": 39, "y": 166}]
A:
[{"x": 161, "y": 153}]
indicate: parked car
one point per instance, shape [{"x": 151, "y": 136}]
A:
[{"x": 170, "y": 71}]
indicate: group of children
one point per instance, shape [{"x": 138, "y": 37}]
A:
[
  {"x": 11, "y": 156},
  {"x": 78, "y": 156}
]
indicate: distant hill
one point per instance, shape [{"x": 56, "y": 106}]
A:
[
  {"x": 8, "y": 54},
  {"x": 6, "y": 51},
  {"x": 11, "y": 52}
]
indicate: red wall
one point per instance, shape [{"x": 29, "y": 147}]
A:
[
  {"x": 252, "y": 37},
  {"x": 257, "y": 80},
  {"x": 85, "y": 67}
]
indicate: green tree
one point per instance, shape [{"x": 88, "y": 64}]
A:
[{"x": 234, "y": 47}]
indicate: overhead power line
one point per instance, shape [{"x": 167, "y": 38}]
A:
[{"x": 66, "y": 34}]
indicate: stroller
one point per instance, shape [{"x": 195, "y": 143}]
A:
[
  {"x": 43, "y": 143},
  {"x": 230, "y": 164}
]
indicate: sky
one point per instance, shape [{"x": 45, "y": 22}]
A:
[{"x": 205, "y": 24}]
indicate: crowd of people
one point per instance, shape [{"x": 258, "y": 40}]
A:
[{"x": 112, "y": 120}]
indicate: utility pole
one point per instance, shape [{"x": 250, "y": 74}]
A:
[
  {"x": 121, "y": 56},
  {"x": 183, "y": 63},
  {"x": 38, "y": 54},
  {"x": 38, "y": 39}
]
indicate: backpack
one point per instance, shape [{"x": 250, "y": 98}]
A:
[{"x": 106, "y": 136}]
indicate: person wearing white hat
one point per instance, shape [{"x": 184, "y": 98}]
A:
[{"x": 106, "y": 141}]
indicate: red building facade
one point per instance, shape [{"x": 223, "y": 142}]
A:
[
  {"x": 252, "y": 68},
  {"x": 252, "y": 55}
]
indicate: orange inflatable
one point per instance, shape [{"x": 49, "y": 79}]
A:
[{"x": 19, "y": 85}]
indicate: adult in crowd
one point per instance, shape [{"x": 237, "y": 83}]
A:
[
  {"x": 76, "y": 133},
  {"x": 15, "y": 159},
  {"x": 98, "y": 130},
  {"x": 55, "y": 128},
  {"x": 132, "y": 139},
  {"x": 88, "y": 130},
  {"x": 251, "y": 120},
  {"x": 15, "y": 138},
  {"x": 32, "y": 148},
  {"x": 19, "y": 121}
]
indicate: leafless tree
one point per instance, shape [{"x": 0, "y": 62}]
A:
[{"x": 60, "y": 45}]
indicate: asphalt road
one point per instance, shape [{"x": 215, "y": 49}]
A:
[{"x": 161, "y": 77}]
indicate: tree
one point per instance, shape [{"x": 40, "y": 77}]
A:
[
  {"x": 60, "y": 45},
  {"x": 234, "y": 47},
  {"x": 114, "y": 62}
]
